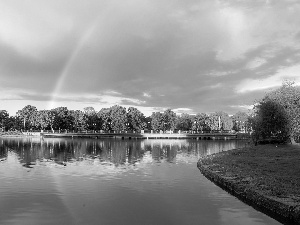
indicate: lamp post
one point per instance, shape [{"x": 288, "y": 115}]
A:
[
  {"x": 196, "y": 124},
  {"x": 127, "y": 127}
]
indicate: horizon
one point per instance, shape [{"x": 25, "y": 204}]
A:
[
  {"x": 148, "y": 114},
  {"x": 191, "y": 57}
]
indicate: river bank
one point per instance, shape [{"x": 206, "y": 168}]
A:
[
  {"x": 266, "y": 177},
  {"x": 11, "y": 133}
]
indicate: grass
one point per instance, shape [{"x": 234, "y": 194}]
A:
[{"x": 271, "y": 170}]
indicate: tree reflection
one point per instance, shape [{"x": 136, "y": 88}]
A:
[
  {"x": 113, "y": 151},
  {"x": 3, "y": 151}
]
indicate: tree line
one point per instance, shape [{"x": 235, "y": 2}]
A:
[{"x": 120, "y": 119}]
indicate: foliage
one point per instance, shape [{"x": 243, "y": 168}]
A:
[
  {"x": 184, "y": 122},
  {"x": 157, "y": 121},
  {"x": 79, "y": 120},
  {"x": 136, "y": 119},
  {"x": 225, "y": 120},
  {"x": 104, "y": 118},
  {"x": 118, "y": 118},
  {"x": 13, "y": 123},
  {"x": 288, "y": 96},
  {"x": 240, "y": 121},
  {"x": 3, "y": 118},
  {"x": 28, "y": 114},
  {"x": 92, "y": 120},
  {"x": 62, "y": 119},
  {"x": 148, "y": 121},
  {"x": 44, "y": 119},
  {"x": 270, "y": 121},
  {"x": 213, "y": 122},
  {"x": 201, "y": 122},
  {"x": 169, "y": 120}
]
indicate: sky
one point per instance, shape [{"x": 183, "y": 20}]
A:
[{"x": 190, "y": 56}]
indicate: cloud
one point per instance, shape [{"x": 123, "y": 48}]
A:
[
  {"x": 200, "y": 55},
  {"x": 276, "y": 80},
  {"x": 146, "y": 95}
]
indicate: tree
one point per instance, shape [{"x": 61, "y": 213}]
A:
[
  {"x": 13, "y": 123},
  {"x": 92, "y": 121},
  {"x": 28, "y": 114},
  {"x": 136, "y": 119},
  {"x": 157, "y": 121},
  {"x": 169, "y": 120},
  {"x": 62, "y": 118},
  {"x": 224, "y": 120},
  {"x": 270, "y": 121},
  {"x": 148, "y": 121},
  {"x": 288, "y": 96},
  {"x": 118, "y": 118},
  {"x": 3, "y": 119},
  {"x": 201, "y": 122},
  {"x": 79, "y": 120},
  {"x": 104, "y": 118},
  {"x": 213, "y": 122},
  {"x": 184, "y": 122},
  {"x": 239, "y": 121},
  {"x": 44, "y": 119}
]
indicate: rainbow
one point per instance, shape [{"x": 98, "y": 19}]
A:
[{"x": 65, "y": 71}]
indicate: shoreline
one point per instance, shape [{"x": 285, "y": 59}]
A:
[{"x": 225, "y": 169}]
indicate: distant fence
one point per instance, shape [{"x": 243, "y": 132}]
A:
[
  {"x": 133, "y": 132},
  {"x": 149, "y": 132}
]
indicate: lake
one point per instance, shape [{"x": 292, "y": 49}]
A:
[{"x": 111, "y": 181}]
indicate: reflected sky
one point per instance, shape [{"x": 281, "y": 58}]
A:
[{"x": 108, "y": 181}]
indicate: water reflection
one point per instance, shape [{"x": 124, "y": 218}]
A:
[
  {"x": 108, "y": 181},
  {"x": 115, "y": 152}
]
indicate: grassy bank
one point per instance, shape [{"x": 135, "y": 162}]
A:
[{"x": 266, "y": 177}]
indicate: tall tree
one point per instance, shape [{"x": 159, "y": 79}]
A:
[
  {"x": 118, "y": 118},
  {"x": 135, "y": 119},
  {"x": 28, "y": 114},
  {"x": 240, "y": 121},
  {"x": 169, "y": 119},
  {"x": 224, "y": 120},
  {"x": 270, "y": 121},
  {"x": 79, "y": 120},
  {"x": 288, "y": 96},
  {"x": 62, "y": 118},
  {"x": 148, "y": 121},
  {"x": 201, "y": 122},
  {"x": 213, "y": 122},
  {"x": 14, "y": 123},
  {"x": 105, "y": 119},
  {"x": 44, "y": 119},
  {"x": 157, "y": 121},
  {"x": 4, "y": 116},
  {"x": 184, "y": 122},
  {"x": 92, "y": 120}
]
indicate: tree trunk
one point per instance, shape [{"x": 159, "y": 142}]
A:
[{"x": 292, "y": 140}]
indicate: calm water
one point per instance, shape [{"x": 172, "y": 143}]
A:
[{"x": 107, "y": 181}]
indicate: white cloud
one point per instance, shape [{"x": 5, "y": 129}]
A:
[
  {"x": 255, "y": 63},
  {"x": 217, "y": 85},
  {"x": 272, "y": 81},
  {"x": 217, "y": 73},
  {"x": 146, "y": 95},
  {"x": 243, "y": 107},
  {"x": 31, "y": 28}
]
